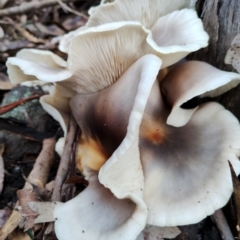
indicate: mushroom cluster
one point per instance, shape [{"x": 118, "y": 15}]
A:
[{"x": 149, "y": 160}]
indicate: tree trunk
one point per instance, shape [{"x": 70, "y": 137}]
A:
[{"x": 221, "y": 19}]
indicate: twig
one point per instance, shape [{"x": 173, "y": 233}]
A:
[
  {"x": 38, "y": 176},
  {"x": 64, "y": 162},
  {"x": 28, "y": 6},
  {"x": 66, "y": 7},
  {"x": 9, "y": 107},
  {"x": 222, "y": 225},
  {"x": 63, "y": 169},
  {"x": 24, "y": 32},
  {"x": 42, "y": 166}
]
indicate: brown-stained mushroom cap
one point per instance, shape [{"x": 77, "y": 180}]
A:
[
  {"x": 117, "y": 197},
  {"x": 185, "y": 168}
]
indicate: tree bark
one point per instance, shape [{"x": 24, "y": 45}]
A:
[{"x": 221, "y": 19}]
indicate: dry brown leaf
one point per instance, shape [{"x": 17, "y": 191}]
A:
[
  {"x": 44, "y": 211},
  {"x": 5, "y": 84},
  {"x": 24, "y": 197}
]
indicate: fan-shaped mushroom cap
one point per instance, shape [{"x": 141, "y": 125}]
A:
[
  {"x": 92, "y": 9},
  {"x": 147, "y": 12},
  {"x": 103, "y": 120},
  {"x": 178, "y": 32},
  {"x": 97, "y": 214},
  {"x": 186, "y": 168},
  {"x": 122, "y": 210},
  {"x": 116, "y": 47},
  {"x": 194, "y": 79},
  {"x": 57, "y": 105},
  {"x": 33, "y": 64}
]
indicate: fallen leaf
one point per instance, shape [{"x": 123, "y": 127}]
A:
[
  {"x": 24, "y": 197},
  {"x": 44, "y": 211}
]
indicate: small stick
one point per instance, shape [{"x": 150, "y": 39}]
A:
[
  {"x": 28, "y": 6},
  {"x": 9, "y": 107},
  {"x": 24, "y": 32},
  {"x": 40, "y": 172},
  {"x": 65, "y": 6},
  {"x": 222, "y": 225},
  {"x": 65, "y": 160}
]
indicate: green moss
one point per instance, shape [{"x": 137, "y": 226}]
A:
[{"x": 31, "y": 109}]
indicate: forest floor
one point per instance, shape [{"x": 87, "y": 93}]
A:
[{"x": 24, "y": 125}]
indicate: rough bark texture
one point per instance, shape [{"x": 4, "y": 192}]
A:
[{"x": 221, "y": 20}]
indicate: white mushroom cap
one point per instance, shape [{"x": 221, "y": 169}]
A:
[
  {"x": 157, "y": 16},
  {"x": 66, "y": 39},
  {"x": 56, "y": 104},
  {"x": 186, "y": 169},
  {"x": 176, "y": 35},
  {"x": 101, "y": 111},
  {"x": 115, "y": 47},
  {"x": 194, "y": 79},
  {"x": 92, "y": 9},
  {"x": 111, "y": 56},
  {"x": 33, "y": 64},
  {"x": 122, "y": 173},
  {"x": 147, "y": 12},
  {"x": 97, "y": 214},
  {"x": 177, "y": 32}
]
